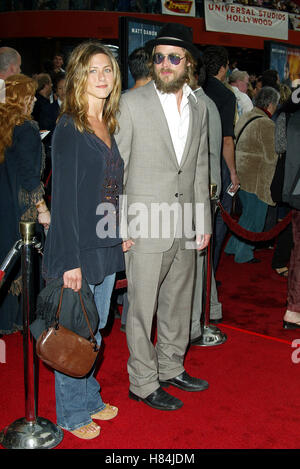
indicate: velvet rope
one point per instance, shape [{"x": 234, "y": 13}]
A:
[
  {"x": 250, "y": 235},
  {"x": 122, "y": 283},
  {"x": 239, "y": 231}
]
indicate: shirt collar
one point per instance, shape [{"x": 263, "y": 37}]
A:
[{"x": 265, "y": 111}]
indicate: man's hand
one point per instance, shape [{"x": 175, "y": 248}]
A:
[
  {"x": 73, "y": 279},
  {"x": 202, "y": 241},
  {"x": 126, "y": 245}
]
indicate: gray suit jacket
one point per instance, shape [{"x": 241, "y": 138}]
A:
[
  {"x": 152, "y": 175},
  {"x": 214, "y": 127}
]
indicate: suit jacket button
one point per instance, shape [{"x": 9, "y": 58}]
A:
[
  {"x": 179, "y": 172},
  {"x": 176, "y": 195}
]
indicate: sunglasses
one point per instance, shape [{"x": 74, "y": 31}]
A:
[{"x": 172, "y": 58}]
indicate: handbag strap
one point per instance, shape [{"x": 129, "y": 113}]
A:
[
  {"x": 86, "y": 317},
  {"x": 83, "y": 309},
  {"x": 243, "y": 128}
]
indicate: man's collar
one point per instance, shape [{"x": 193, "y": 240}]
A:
[{"x": 187, "y": 91}]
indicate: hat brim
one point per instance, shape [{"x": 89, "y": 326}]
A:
[{"x": 172, "y": 42}]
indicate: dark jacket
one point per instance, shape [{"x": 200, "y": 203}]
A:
[
  {"x": 71, "y": 314},
  {"x": 42, "y": 112},
  {"x": 225, "y": 101},
  {"x": 86, "y": 173},
  {"x": 20, "y": 183}
]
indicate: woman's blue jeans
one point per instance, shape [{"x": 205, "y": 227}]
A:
[
  {"x": 79, "y": 398},
  {"x": 253, "y": 219}
]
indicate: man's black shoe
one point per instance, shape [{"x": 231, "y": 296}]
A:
[
  {"x": 186, "y": 382},
  {"x": 255, "y": 260},
  {"x": 159, "y": 399}
]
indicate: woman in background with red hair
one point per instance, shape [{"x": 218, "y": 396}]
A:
[{"x": 21, "y": 190}]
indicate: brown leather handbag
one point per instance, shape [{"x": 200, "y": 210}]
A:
[{"x": 66, "y": 351}]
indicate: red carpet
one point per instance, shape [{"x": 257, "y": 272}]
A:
[
  {"x": 253, "y": 399},
  {"x": 253, "y": 295}
]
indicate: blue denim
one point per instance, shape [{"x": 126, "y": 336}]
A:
[
  {"x": 79, "y": 398},
  {"x": 102, "y": 296},
  {"x": 253, "y": 219},
  {"x": 220, "y": 227}
]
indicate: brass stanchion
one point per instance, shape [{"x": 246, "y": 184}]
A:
[
  {"x": 30, "y": 432},
  {"x": 210, "y": 334}
]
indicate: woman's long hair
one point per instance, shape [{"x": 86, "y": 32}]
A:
[
  {"x": 19, "y": 91},
  {"x": 75, "y": 103}
]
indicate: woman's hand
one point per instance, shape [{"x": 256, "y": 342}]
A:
[
  {"x": 44, "y": 219},
  {"x": 44, "y": 216},
  {"x": 126, "y": 245},
  {"x": 73, "y": 279}
]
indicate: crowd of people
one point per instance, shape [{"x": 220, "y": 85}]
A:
[
  {"x": 142, "y": 6},
  {"x": 206, "y": 123}
]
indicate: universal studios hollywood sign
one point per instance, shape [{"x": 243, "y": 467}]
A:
[{"x": 239, "y": 19}]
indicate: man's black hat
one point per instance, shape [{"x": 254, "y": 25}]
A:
[{"x": 174, "y": 34}]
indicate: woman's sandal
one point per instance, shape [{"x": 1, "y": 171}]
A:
[
  {"x": 108, "y": 413},
  {"x": 283, "y": 272},
  {"x": 87, "y": 432}
]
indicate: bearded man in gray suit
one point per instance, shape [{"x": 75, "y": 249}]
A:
[{"x": 163, "y": 141}]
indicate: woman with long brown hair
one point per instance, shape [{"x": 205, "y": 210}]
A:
[
  {"x": 21, "y": 190},
  {"x": 83, "y": 241}
]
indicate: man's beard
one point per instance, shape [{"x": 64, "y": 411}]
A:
[{"x": 172, "y": 86}]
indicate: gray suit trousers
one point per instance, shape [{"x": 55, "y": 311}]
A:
[{"x": 162, "y": 284}]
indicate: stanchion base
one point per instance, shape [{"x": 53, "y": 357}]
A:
[
  {"x": 211, "y": 335},
  {"x": 21, "y": 434}
]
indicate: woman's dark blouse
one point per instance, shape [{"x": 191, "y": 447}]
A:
[{"x": 86, "y": 173}]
